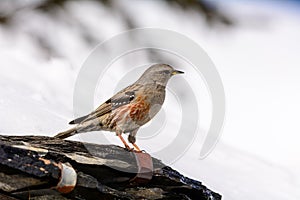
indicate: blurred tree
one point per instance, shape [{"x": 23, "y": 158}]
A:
[{"x": 10, "y": 9}]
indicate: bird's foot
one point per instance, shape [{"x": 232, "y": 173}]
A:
[
  {"x": 129, "y": 149},
  {"x": 134, "y": 150},
  {"x": 138, "y": 150}
]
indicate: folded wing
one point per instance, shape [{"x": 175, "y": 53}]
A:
[{"x": 122, "y": 98}]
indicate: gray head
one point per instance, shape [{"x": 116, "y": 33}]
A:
[{"x": 159, "y": 74}]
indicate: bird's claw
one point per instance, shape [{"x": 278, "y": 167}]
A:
[
  {"x": 129, "y": 149},
  {"x": 134, "y": 150}
]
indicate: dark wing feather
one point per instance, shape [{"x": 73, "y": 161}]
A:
[
  {"x": 78, "y": 120},
  {"x": 123, "y": 97}
]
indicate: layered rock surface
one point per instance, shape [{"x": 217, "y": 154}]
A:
[{"x": 38, "y": 167}]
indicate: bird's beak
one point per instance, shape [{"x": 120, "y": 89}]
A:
[{"x": 177, "y": 72}]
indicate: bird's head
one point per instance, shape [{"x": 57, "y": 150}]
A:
[{"x": 159, "y": 74}]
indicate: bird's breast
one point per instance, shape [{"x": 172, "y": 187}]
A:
[
  {"x": 131, "y": 116},
  {"x": 139, "y": 110}
]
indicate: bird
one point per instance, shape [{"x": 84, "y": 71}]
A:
[{"x": 128, "y": 109}]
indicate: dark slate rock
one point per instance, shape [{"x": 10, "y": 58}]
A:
[{"x": 32, "y": 166}]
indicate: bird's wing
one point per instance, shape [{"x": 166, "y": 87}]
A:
[{"x": 123, "y": 97}]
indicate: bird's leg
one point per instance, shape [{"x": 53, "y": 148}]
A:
[
  {"x": 124, "y": 142},
  {"x": 131, "y": 139},
  {"x": 136, "y": 147}
]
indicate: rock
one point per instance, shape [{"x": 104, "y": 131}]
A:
[
  {"x": 10, "y": 182},
  {"x": 39, "y": 168}
]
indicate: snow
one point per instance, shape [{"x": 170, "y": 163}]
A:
[{"x": 257, "y": 156}]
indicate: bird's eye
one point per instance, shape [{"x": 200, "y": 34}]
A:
[{"x": 166, "y": 72}]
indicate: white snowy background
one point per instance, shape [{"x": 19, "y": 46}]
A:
[{"x": 258, "y": 60}]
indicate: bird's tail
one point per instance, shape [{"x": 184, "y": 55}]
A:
[{"x": 67, "y": 133}]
